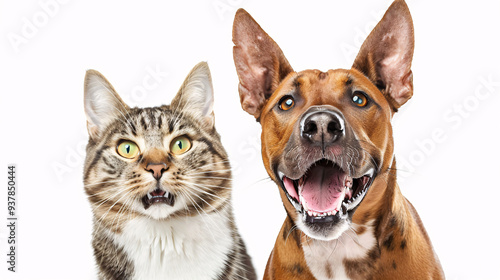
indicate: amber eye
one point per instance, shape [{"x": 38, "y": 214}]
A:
[
  {"x": 127, "y": 149},
  {"x": 286, "y": 103},
  {"x": 180, "y": 145},
  {"x": 359, "y": 99}
]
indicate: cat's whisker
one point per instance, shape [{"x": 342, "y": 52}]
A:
[
  {"x": 107, "y": 189},
  {"x": 202, "y": 191},
  {"x": 196, "y": 207},
  {"x": 204, "y": 186},
  {"x": 105, "y": 199},
  {"x": 107, "y": 212},
  {"x": 103, "y": 182},
  {"x": 211, "y": 177},
  {"x": 190, "y": 190},
  {"x": 206, "y": 168},
  {"x": 211, "y": 164},
  {"x": 211, "y": 171},
  {"x": 119, "y": 213},
  {"x": 207, "y": 215}
]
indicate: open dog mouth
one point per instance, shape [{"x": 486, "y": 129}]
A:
[
  {"x": 326, "y": 191},
  {"x": 158, "y": 196}
]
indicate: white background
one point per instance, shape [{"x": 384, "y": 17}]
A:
[{"x": 452, "y": 180}]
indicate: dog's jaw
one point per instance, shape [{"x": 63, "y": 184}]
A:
[{"x": 325, "y": 198}]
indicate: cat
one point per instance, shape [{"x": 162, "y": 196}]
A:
[{"x": 159, "y": 184}]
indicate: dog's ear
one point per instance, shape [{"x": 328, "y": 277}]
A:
[
  {"x": 385, "y": 56},
  {"x": 259, "y": 61}
]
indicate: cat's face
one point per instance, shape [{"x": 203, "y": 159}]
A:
[{"x": 159, "y": 162}]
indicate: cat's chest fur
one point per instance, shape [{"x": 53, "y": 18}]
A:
[{"x": 185, "y": 248}]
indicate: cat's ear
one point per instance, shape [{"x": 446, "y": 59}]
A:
[
  {"x": 102, "y": 104},
  {"x": 196, "y": 94}
]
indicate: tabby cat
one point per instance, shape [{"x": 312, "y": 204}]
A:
[{"x": 159, "y": 184}]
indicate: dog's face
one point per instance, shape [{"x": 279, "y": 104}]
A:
[
  {"x": 325, "y": 129},
  {"x": 327, "y": 136}
]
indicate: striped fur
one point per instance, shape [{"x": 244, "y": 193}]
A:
[{"x": 195, "y": 238}]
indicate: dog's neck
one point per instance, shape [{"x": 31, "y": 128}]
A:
[
  {"x": 343, "y": 257},
  {"x": 354, "y": 253}
]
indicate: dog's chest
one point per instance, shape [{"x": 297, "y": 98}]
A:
[
  {"x": 187, "y": 248},
  {"x": 325, "y": 259}
]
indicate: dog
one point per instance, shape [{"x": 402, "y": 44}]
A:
[{"x": 327, "y": 143}]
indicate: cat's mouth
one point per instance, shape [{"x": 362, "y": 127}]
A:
[{"x": 158, "y": 196}]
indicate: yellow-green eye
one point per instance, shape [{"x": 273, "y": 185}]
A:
[
  {"x": 359, "y": 99},
  {"x": 127, "y": 149},
  {"x": 286, "y": 103},
  {"x": 180, "y": 145}
]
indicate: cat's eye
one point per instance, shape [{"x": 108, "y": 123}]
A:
[
  {"x": 286, "y": 103},
  {"x": 127, "y": 149},
  {"x": 360, "y": 99},
  {"x": 180, "y": 145}
]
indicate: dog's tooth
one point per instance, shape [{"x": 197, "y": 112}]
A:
[
  {"x": 309, "y": 213},
  {"x": 149, "y": 196},
  {"x": 280, "y": 174},
  {"x": 348, "y": 182}
]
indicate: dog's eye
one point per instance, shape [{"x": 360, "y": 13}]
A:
[
  {"x": 286, "y": 103},
  {"x": 127, "y": 149},
  {"x": 359, "y": 99}
]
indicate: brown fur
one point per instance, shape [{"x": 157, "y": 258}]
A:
[{"x": 403, "y": 249}]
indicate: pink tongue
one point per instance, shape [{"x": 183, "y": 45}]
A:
[
  {"x": 323, "y": 190},
  {"x": 290, "y": 188}
]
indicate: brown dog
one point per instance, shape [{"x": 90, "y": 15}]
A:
[{"x": 327, "y": 142}]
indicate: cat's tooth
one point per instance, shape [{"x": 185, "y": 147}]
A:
[{"x": 149, "y": 196}]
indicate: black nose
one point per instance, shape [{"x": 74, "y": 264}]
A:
[
  {"x": 322, "y": 127},
  {"x": 157, "y": 169}
]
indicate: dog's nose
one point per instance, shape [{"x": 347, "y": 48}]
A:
[
  {"x": 157, "y": 169},
  {"x": 322, "y": 127}
]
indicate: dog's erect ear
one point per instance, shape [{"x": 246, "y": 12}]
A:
[
  {"x": 102, "y": 104},
  {"x": 196, "y": 95},
  {"x": 385, "y": 56},
  {"x": 259, "y": 61}
]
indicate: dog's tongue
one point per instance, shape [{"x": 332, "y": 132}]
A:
[{"x": 323, "y": 188}]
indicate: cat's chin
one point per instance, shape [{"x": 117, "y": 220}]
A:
[{"x": 160, "y": 211}]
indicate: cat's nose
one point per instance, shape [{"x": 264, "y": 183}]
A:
[{"x": 157, "y": 169}]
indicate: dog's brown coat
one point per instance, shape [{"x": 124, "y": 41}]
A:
[{"x": 382, "y": 70}]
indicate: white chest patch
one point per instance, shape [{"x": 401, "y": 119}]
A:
[
  {"x": 184, "y": 248},
  {"x": 325, "y": 258}
]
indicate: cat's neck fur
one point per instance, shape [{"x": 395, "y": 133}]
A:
[{"x": 179, "y": 248}]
